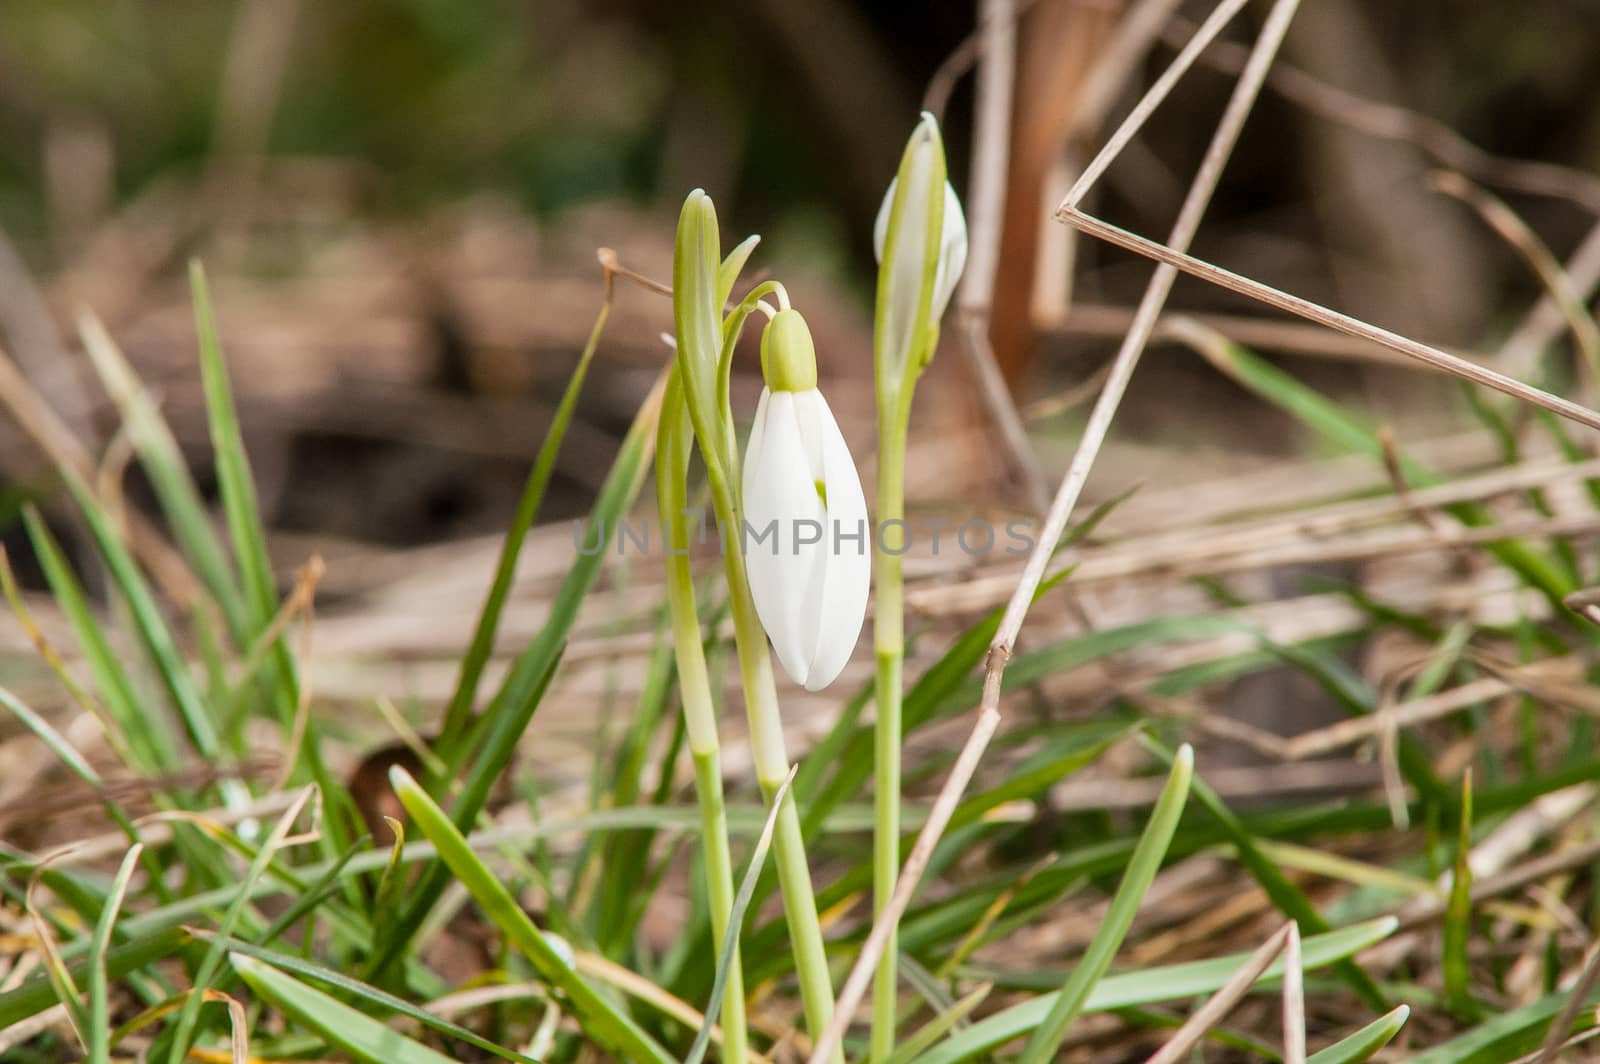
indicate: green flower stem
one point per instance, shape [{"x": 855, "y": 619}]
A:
[
  {"x": 699, "y": 711},
  {"x": 889, "y": 643},
  {"x": 772, "y": 768},
  {"x": 719, "y": 885}
]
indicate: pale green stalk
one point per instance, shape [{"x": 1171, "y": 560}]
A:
[
  {"x": 699, "y": 712},
  {"x": 772, "y": 768},
  {"x": 889, "y": 645},
  {"x": 701, "y": 285},
  {"x": 903, "y": 343}
]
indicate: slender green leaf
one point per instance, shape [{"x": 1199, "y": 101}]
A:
[
  {"x": 1289, "y": 899},
  {"x": 234, "y": 481},
  {"x": 910, "y": 1048},
  {"x": 190, "y": 1016},
  {"x": 1360, "y": 1046},
  {"x": 1172, "y": 982},
  {"x": 37, "y": 993},
  {"x": 1506, "y": 1036},
  {"x": 1457, "y": 930},
  {"x": 360, "y": 991},
  {"x": 356, "y": 1033},
  {"x": 99, "y": 986},
  {"x": 732, "y": 266},
  {"x": 513, "y": 706},
  {"x": 609, "y": 1026},
  {"x": 169, "y": 475},
  {"x": 147, "y": 740},
  {"x": 1142, "y": 868},
  {"x": 741, "y": 903},
  {"x": 458, "y": 713}
]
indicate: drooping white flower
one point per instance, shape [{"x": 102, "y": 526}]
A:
[
  {"x": 806, "y": 538},
  {"x": 903, "y": 256}
]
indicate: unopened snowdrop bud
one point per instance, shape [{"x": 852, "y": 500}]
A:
[
  {"x": 920, "y": 239},
  {"x": 952, "y": 247},
  {"x": 806, "y": 538}
]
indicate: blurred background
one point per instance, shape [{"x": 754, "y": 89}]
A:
[{"x": 400, "y": 202}]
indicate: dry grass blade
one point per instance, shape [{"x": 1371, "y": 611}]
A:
[
  {"x": 1294, "y": 999},
  {"x": 855, "y": 985},
  {"x": 1561, "y": 1026},
  {"x": 1514, "y": 231},
  {"x": 1066, "y": 496},
  {"x": 60, "y": 976},
  {"x": 1183, "y": 231},
  {"x": 1305, "y": 308},
  {"x": 992, "y": 139},
  {"x": 57, "y": 441},
  {"x": 1223, "y": 1001},
  {"x": 1175, "y": 254},
  {"x": 1541, "y": 324}
]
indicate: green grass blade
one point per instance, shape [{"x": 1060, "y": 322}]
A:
[
  {"x": 313, "y": 894},
  {"x": 169, "y": 474},
  {"x": 1147, "y": 986},
  {"x": 38, "y": 993},
  {"x": 602, "y": 1020},
  {"x": 1142, "y": 868},
  {"x": 99, "y": 985},
  {"x": 513, "y": 706},
  {"x": 52, "y": 738},
  {"x": 1290, "y": 899},
  {"x": 147, "y": 741},
  {"x": 458, "y": 714},
  {"x": 359, "y": 991},
  {"x": 1503, "y": 1037},
  {"x": 234, "y": 482},
  {"x": 150, "y": 623},
  {"x": 356, "y": 1033},
  {"x": 1331, "y": 421},
  {"x": 741, "y": 903},
  {"x": 391, "y": 885},
  {"x": 190, "y": 1016},
  {"x": 1360, "y": 1046},
  {"x": 1457, "y": 930},
  {"x": 941, "y": 1025}
]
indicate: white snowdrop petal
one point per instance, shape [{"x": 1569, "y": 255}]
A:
[
  {"x": 812, "y": 412},
  {"x": 752, "y": 447},
  {"x": 952, "y": 251},
  {"x": 778, "y": 490},
  {"x": 880, "y": 225},
  {"x": 846, "y": 578}
]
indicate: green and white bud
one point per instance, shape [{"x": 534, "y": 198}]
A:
[{"x": 920, "y": 238}]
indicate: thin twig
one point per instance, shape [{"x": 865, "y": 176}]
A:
[
  {"x": 1174, "y": 254},
  {"x": 1205, "y": 182},
  {"x": 1516, "y": 232},
  {"x": 1387, "y": 121},
  {"x": 1431, "y": 356},
  {"x": 1562, "y": 1025},
  {"x": 1222, "y": 1002},
  {"x": 855, "y": 986},
  {"x": 1294, "y": 999},
  {"x": 1521, "y": 349},
  {"x": 1155, "y": 296}
]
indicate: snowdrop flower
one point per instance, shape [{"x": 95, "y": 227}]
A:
[
  {"x": 904, "y": 255},
  {"x": 806, "y": 538}
]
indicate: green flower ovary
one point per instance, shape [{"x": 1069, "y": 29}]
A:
[{"x": 788, "y": 357}]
